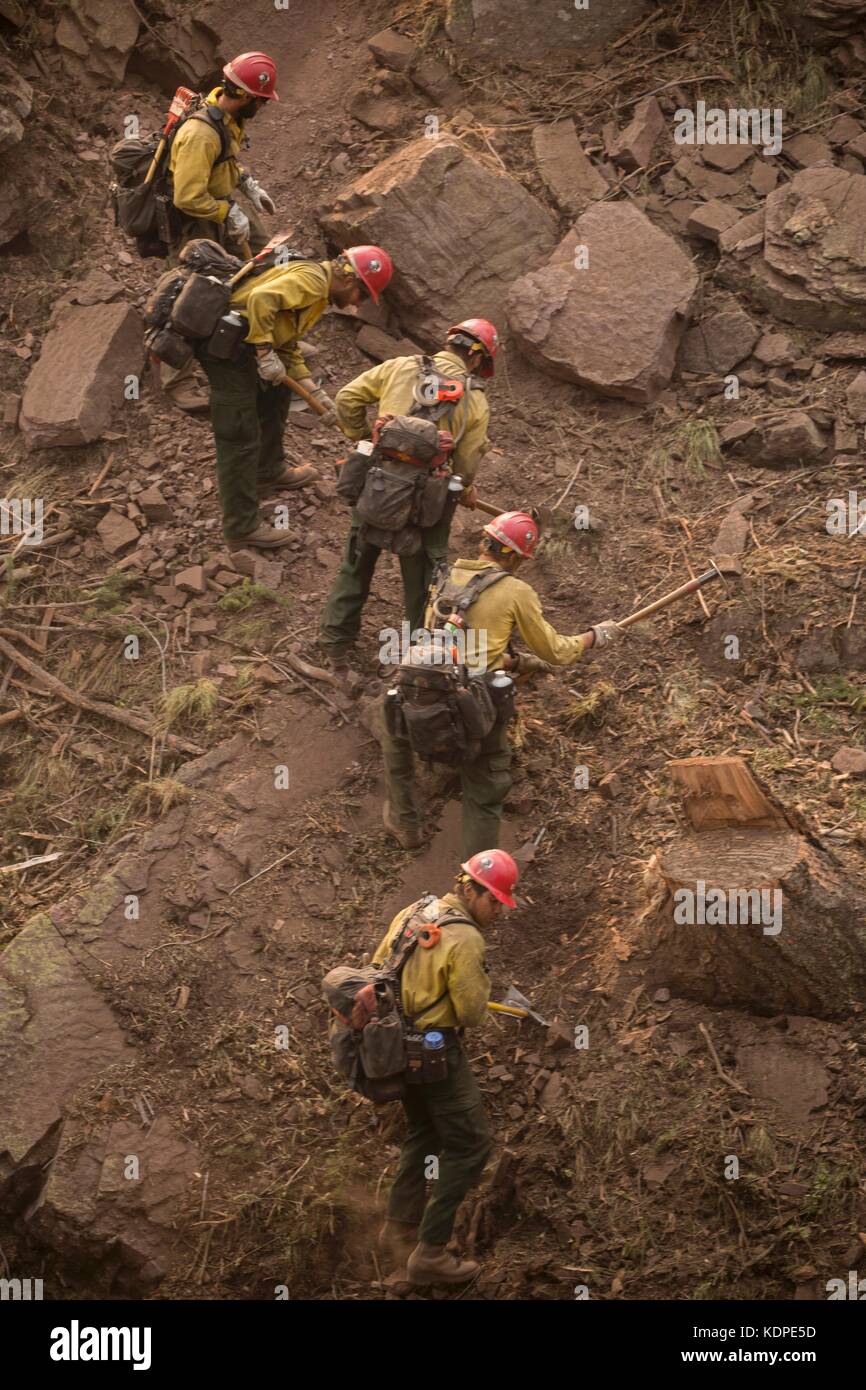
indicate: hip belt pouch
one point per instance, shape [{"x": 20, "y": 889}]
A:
[
  {"x": 200, "y": 306},
  {"x": 434, "y": 499},
  {"x": 383, "y": 1049},
  {"x": 353, "y": 475},
  {"x": 167, "y": 346},
  {"x": 387, "y": 500}
]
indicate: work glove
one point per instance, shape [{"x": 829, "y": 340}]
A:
[
  {"x": 237, "y": 224},
  {"x": 525, "y": 664},
  {"x": 606, "y": 632},
  {"x": 261, "y": 201},
  {"x": 468, "y": 497},
  {"x": 270, "y": 366},
  {"x": 320, "y": 394}
]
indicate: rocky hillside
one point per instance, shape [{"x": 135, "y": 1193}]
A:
[{"x": 683, "y": 375}]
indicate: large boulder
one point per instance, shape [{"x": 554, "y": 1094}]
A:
[
  {"x": 812, "y": 270},
  {"x": 616, "y": 324},
  {"x": 96, "y": 37},
  {"x": 56, "y": 1034},
  {"x": 112, "y": 1201},
  {"x": 506, "y": 29},
  {"x": 78, "y": 381},
  {"x": 182, "y": 52},
  {"x": 459, "y": 233}
]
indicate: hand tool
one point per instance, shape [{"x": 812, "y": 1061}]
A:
[
  {"x": 518, "y": 1006},
  {"x": 182, "y": 101}
]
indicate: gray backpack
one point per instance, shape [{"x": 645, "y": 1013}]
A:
[{"x": 437, "y": 703}]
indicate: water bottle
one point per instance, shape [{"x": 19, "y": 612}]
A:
[
  {"x": 435, "y": 1057},
  {"x": 228, "y": 335}
]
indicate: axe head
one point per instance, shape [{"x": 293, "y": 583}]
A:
[{"x": 513, "y": 996}]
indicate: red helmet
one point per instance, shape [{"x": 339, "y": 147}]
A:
[
  {"x": 496, "y": 871},
  {"x": 256, "y": 73},
  {"x": 372, "y": 265},
  {"x": 483, "y": 334},
  {"x": 517, "y": 530}
]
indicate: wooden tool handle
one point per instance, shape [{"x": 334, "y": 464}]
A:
[
  {"x": 154, "y": 163},
  {"x": 682, "y": 592},
  {"x": 305, "y": 395}
]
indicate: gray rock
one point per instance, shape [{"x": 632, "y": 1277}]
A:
[
  {"x": 96, "y": 37},
  {"x": 436, "y": 203},
  {"x": 616, "y": 325},
  {"x": 74, "y": 388},
  {"x": 505, "y": 29},
  {"x": 573, "y": 181},
  {"x": 812, "y": 270},
  {"x": 55, "y": 1035},
  {"x": 719, "y": 341}
]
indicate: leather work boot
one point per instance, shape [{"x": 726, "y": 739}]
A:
[
  {"x": 188, "y": 396},
  {"x": 396, "y": 1241},
  {"x": 263, "y": 538},
  {"x": 433, "y": 1264},
  {"x": 408, "y": 837},
  {"x": 289, "y": 479}
]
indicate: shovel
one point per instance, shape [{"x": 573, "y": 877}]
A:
[{"x": 518, "y": 1006}]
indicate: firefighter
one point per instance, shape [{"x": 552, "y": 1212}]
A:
[
  {"x": 468, "y": 354},
  {"x": 507, "y": 605},
  {"x": 205, "y": 175},
  {"x": 249, "y": 403},
  {"x": 444, "y": 988}
]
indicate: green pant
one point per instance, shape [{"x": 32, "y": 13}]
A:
[
  {"x": 446, "y": 1120},
  {"x": 341, "y": 620},
  {"x": 485, "y": 785},
  {"x": 248, "y": 418}
]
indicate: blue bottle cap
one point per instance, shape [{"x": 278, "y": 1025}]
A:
[{"x": 434, "y": 1039}]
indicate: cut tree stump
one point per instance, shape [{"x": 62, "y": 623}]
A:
[{"x": 751, "y": 910}]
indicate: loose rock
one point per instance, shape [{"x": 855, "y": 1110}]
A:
[
  {"x": 78, "y": 381},
  {"x": 616, "y": 325}
]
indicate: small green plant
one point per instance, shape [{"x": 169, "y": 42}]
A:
[
  {"x": 189, "y": 704},
  {"x": 114, "y": 591},
  {"x": 699, "y": 442},
  {"x": 247, "y": 593}
]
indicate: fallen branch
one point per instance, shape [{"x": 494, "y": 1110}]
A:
[
  {"x": 31, "y": 863},
  {"x": 728, "y": 1080},
  {"x": 74, "y": 697}
]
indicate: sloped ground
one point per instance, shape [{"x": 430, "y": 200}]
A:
[{"x": 258, "y": 1170}]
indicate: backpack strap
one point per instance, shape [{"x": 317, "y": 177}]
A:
[
  {"x": 212, "y": 116},
  {"x": 460, "y": 598},
  {"x": 451, "y": 918},
  {"x": 435, "y": 410}
]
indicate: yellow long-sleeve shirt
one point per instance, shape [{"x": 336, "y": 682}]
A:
[
  {"x": 202, "y": 188},
  {"x": 451, "y": 972},
  {"x": 390, "y": 387},
  {"x": 282, "y": 305},
  {"x": 509, "y": 604}
]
